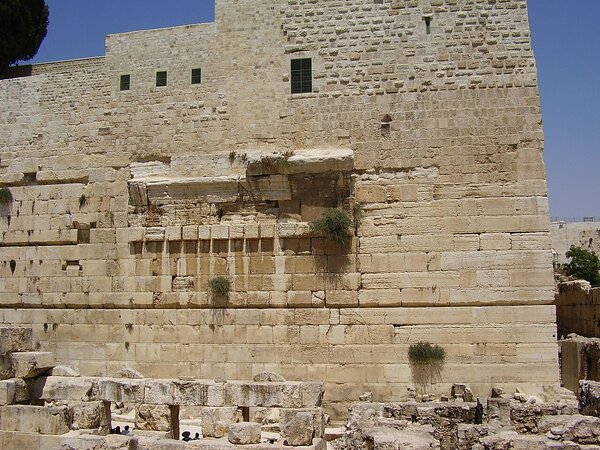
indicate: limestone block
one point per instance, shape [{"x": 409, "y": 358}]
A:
[
  {"x": 15, "y": 339},
  {"x": 589, "y": 397},
  {"x": 190, "y": 233},
  {"x": 154, "y": 234},
  {"x": 21, "y": 390},
  {"x": 88, "y": 415},
  {"x": 219, "y": 232},
  {"x": 37, "y": 419},
  {"x": 6, "y": 367},
  {"x": 244, "y": 433},
  {"x": 31, "y": 364},
  {"x": 300, "y": 426},
  {"x": 128, "y": 373},
  {"x": 153, "y": 417},
  {"x": 268, "y": 376},
  {"x": 7, "y": 392},
  {"x": 174, "y": 234},
  {"x": 216, "y": 421},
  {"x": 204, "y": 232},
  {"x": 63, "y": 388},
  {"x": 62, "y": 371},
  {"x": 159, "y": 392},
  {"x": 190, "y": 393},
  {"x": 119, "y": 390},
  {"x": 293, "y": 229}
]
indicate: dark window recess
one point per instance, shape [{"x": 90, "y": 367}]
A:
[
  {"x": 301, "y": 75},
  {"x": 125, "y": 83},
  {"x": 427, "y": 24},
  {"x": 196, "y": 76},
  {"x": 161, "y": 78}
]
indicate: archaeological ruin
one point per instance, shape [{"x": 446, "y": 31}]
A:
[{"x": 304, "y": 188}]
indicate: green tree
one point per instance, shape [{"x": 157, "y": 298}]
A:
[
  {"x": 23, "y": 27},
  {"x": 583, "y": 265}
]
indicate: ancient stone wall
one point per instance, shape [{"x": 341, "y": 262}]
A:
[
  {"x": 126, "y": 203},
  {"x": 581, "y": 234},
  {"x": 577, "y": 309}
]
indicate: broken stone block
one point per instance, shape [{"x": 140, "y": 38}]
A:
[
  {"x": 159, "y": 392},
  {"x": 63, "y": 388},
  {"x": 268, "y": 376},
  {"x": 35, "y": 419},
  {"x": 15, "y": 339},
  {"x": 7, "y": 392},
  {"x": 119, "y": 390},
  {"x": 153, "y": 417},
  {"x": 88, "y": 415},
  {"x": 244, "y": 433},
  {"x": 300, "y": 426},
  {"x": 128, "y": 373},
  {"x": 497, "y": 392},
  {"x": 216, "y": 421},
  {"x": 6, "y": 367},
  {"x": 589, "y": 398},
  {"x": 458, "y": 390},
  {"x": 21, "y": 390},
  {"x": 31, "y": 364},
  {"x": 63, "y": 371}
]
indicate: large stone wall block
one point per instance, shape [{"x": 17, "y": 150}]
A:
[
  {"x": 36, "y": 419},
  {"x": 15, "y": 339},
  {"x": 216, "y": 421},
  {"x": 63, "y": 388},
  {"x": 153, "y": 417},
  {"x": 159, "y": 392},
  {"x": 300, "y": 426},
  {"x": 244, "y": 433},
  {"x": 7, "y": 392},
  {"x": 119, "y": 390},
  {"x": 88, "y": 415},
  {"x": 190, "y": 393},
  {"x": 31, "y": 364}
]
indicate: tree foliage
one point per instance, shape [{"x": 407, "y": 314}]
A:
[
  {"x": 23, "y": 27},
  {"x": 583, "y": 265}
]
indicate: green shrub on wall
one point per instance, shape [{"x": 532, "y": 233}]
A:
[
  {"x": 5, "y": 196},
  {"x": 426, "y": 365},
  {"x": 219, "y": 286},
  {"x": 334, "y": 225},
  {"x": 425, "y": 353}
]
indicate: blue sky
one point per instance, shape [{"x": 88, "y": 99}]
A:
[{"x": 566, "y": 44}]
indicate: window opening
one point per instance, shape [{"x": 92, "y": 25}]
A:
[
  {"x": 125, "y": 82},
  {"x": 427, "y": 24},
  {"x": 196, "y": 76},
  {"x": 161, "y": 78},
  {"x": 301, "y": 75},
  {"x": 386, "y": 122}
]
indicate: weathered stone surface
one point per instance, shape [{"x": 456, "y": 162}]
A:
[
  {"x": 128, "y": 373},
  {"x": 37, "y": 419},
  {"x": 31, "y": 364},
  {"x": 119, "y": 390},
  {"x": 244, "y": 433},
  {"x": 15, "y": 339},
  {"x": 63, "y": 388},
  {"x": 88, "y": 415},
  {"x": 300, "y": 426},
  {"x": 7, "y": 392},
  {"x": 62, "y": 371},
  {"x": 268, "y": 376},
  {"x": 216, "y": 421},
  {"x": 589, "y": 397},
  {"x": 153, "y": 417}
]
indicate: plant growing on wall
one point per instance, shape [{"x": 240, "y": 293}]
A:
[
  {"x": 219, "y": 286},
  {"x": 334, "y": 225},
  {"x": 5, "y": 196},
  {"x": 584, "y": 265},
  {"x": 426, "y": 364}
]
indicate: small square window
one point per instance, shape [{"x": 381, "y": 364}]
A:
[
  {"x": 301, "y": 75},
  {"x": 161, "y": 78},
  {"x": 196, "y": 76},
  {"x": 125, "y": 82}
]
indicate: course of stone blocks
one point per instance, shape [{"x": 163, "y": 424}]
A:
[
  {"x": 44, "y": 407},
  {"x": 423, "y": 125}
]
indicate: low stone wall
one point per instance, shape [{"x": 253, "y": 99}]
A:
[{"x": 578, "y": 309}]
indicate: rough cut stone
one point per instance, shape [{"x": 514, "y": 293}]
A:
[
  {"x": 268, "y": 376},
  {"x": 216, "y": 421},
  {"x": 7, "y": 392},
  {"x": 63, "y": 388},
  {"x": 15, "y": 339},
  {"x": 31, "y": 364},
  {"x": 88, "y": 415},
  {"x": 63, "y": 371},
  {"x": 300, "y": 426},
  {"x": 153, "y": 417},
  {"x": 244, "y": 433},
  {"x": 35, "y": 419},
  {"x": 128, "y": 373},
  {"x": 589, "y": 397}
]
